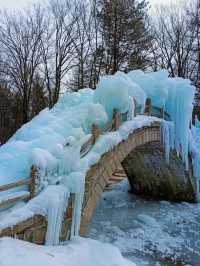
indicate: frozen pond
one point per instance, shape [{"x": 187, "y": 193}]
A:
[{"x": 149, "y": 233}]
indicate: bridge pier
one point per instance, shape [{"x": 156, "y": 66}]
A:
[{"x": 150, "y": 175}]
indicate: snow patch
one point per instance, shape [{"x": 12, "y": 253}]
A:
[{"x": 78, "y": 252}]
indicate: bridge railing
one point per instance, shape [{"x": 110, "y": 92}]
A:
[
  {"x": 117, "y": 119},
  {"x": 152, "y": 110},
  {"x": 7, "y": 200}
]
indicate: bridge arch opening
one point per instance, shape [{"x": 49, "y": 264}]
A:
[
  {"x": 143, "y": 159},
  {"x": 151, "y": 176}
]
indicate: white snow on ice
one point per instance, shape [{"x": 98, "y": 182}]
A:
[{"x": 78, "y": 252}]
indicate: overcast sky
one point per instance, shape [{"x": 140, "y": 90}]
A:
[{"x": 15, "y": 4}]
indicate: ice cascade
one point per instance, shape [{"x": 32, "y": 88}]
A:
[{"x": 52, "y": 140}]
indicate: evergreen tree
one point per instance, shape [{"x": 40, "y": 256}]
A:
[{"x": 125, "y": 34}]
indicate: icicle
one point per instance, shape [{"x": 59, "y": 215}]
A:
[
  {"x": 79, "y": 196},
  {"x": 167, "y": 137},
  {"x": 131, "y": 109},
  {"x": 57, "y": 204}
]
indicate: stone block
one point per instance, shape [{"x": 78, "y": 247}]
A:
[
  {"x": 39, "y": 234},
  {"x": 65, "y": 230},
  {"x": 105, "y": 175},
  {"x": 102, "y": 182},
  {"x": 149, "y": 174},
  {"x": 88, "y": 210},
  {"x": 28, "y": 235}
]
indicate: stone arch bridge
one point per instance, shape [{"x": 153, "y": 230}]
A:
[{"x": 142, "y": 157}]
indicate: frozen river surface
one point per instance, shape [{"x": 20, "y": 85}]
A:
[{"x": 149, "y": 233}]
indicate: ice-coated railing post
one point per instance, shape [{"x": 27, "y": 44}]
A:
[
  {"x": 148, "y": 107},
  {"x": 115, "y": 119},
  {"x": 95, "y": 133},
  {"x": 33, "y": 176}
]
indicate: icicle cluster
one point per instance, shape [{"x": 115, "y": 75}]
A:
[
  {"x": 57, "y": 204},
  {"x": 167, "y": 137}
]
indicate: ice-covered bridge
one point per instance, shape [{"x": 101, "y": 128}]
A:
[{"x": 76, "y": 147}]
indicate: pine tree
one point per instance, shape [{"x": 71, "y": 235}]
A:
[{"x": 125, "y": 34}]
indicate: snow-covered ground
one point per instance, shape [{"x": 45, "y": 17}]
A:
[
  {"x": 79, "y": 251},
  {"x": 148, "y": 232}
]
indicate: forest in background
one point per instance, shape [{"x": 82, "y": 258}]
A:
[{"x": 70, "y": 44}]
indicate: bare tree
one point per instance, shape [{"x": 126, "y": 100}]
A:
[
  {"x": 97, "y": 55},
  {"x": 58, "y": 46},
  {"x": 20, "y": 38},
  {"x": 85, "y": 46},
  {"x": 174, "y": 39},
  {"x": 194, "y": 15}
]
